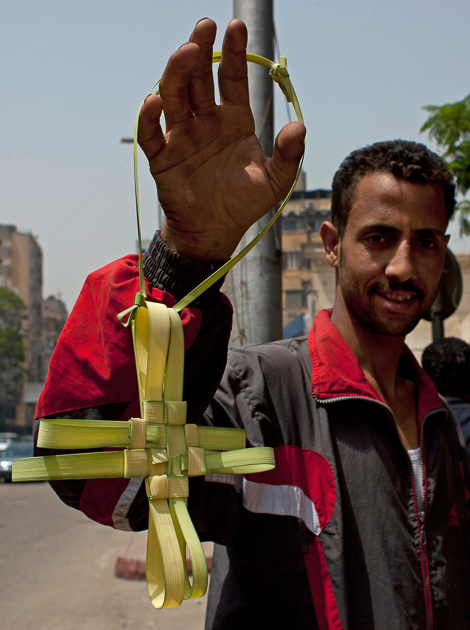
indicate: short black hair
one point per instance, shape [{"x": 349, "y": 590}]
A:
[
  {"x": 447, "y": 361},
  {"x": 406, "y": 160}
]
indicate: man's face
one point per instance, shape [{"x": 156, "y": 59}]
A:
[{"x": 391, "y": 255}]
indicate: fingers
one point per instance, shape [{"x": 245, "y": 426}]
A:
[
  {"x": 150, "y": 134},
  {"x": 187, "y": 84},
  {"x": 174, "y": 85},
  {"x": 233, "y": 71},
  {"x": 288, "y": 150},
  {"x": 201, "y": 84}
]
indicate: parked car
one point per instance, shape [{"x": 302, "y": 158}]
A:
[
  {"x": 6, "y": 439},
  {"x": 15, "y": 450}
]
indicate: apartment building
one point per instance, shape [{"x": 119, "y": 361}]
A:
[{"x": 21, "y": 267}]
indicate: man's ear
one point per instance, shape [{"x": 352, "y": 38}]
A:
[{"x": 330, "y": 237}]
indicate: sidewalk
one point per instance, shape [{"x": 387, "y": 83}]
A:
[{"x": 130, "y": 563}]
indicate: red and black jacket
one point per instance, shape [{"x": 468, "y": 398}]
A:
[{"x": 332, "y": 537}]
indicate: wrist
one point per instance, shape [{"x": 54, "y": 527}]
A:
[
  {"x": 201, "y": 246},
  {"x": 167, "y": 270}
]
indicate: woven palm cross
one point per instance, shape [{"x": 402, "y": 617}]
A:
[{"x": 159, "y": 447}]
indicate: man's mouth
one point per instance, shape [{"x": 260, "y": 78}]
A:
[
  {"x": 398, "y": 292},
  {"x": 398, "y": 298},
  {"x": 394, "y": 297}
]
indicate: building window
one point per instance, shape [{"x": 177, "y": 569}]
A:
[
  {"x": 289, "y": 224},
  {"x": 294, "y": 299},
  {"x": 291, "y": 260}
]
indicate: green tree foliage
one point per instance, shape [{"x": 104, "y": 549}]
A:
[
  {"x": 12, "y": 351},
  {"x": 449, "y": 126}
]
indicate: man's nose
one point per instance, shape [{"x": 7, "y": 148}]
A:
[{"x": 401, "y": 265}]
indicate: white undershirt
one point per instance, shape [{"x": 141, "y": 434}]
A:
[{"x": 415, "y": 457}]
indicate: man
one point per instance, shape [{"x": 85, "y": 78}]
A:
[
  {"x": 447, "y": 362},
  {"x": 346, "y": 532}
]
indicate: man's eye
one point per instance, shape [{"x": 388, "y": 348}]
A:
[
  {"x": 428, "y": 244},
  {"x": 376, "y": 239}
]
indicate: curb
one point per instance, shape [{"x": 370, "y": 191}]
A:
[{"x": 128, "y": 569}]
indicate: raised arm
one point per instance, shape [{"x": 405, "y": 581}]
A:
[{"x": 212, "y": 177}]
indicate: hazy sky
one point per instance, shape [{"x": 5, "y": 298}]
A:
[{"x": 74, "y": 73}]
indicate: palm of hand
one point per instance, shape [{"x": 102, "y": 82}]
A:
[{"x": 211, "y": 173}]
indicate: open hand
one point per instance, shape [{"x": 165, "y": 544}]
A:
[{"x": 212, "y": 177}]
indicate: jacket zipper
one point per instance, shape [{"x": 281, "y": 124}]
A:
[
  {"x": 422, "y": 530},
  {"x": 427, "y": 589},
  {"x": 420, "y": 513}
]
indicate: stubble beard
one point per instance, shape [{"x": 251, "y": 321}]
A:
[
  {"x": 364, "y": 312},
  {"x": 370, "y": 320}
]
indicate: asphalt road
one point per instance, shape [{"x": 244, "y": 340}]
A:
[{"x": 57, "y": 571}]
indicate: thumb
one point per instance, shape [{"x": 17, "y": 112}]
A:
[{"x": 288, "y": 150}]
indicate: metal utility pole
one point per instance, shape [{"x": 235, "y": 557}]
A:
[{"x": 255, "y": 284}]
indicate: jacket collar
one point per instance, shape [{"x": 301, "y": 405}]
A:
[{"x": 336, "y": 371}]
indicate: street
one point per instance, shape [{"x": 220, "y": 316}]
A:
[{"x": 57, "y": 571}]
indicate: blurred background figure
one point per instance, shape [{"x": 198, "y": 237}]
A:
[{"x": 447, "y": 362}]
